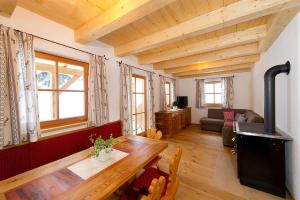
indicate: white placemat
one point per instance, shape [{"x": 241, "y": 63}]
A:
[{"x": 91, "y": 166}]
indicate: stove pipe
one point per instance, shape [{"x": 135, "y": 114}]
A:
[{"x": 269, "y": 113}]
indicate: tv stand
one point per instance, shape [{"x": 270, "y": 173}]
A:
[{"x": 172, "y": 121}]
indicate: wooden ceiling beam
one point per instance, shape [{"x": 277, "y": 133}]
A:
[
  {"x": 247, "y": 66},
  {"x": 118, "y": 16},
  {"x": 215, "y": 64},
  {"x": 229, "y": 40},
  {"x": 235, "y": 13},
  {"x": 7, "y": 7},
  {"x": 276, "y": 24},
  {"x": 216, "y": 74},
  {"x": 238, "y": 51}
]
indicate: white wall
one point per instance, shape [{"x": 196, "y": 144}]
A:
[
  {"x": 286, "y": 47},
  {"x": 29, "y": 22},
  {"x": 242, "y": 90}
]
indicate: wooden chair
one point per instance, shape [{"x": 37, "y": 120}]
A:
[
  {"x": 154, "y": 134},
  {"x": 173, "y": 183},
  {"x": 157, "y": 135},
  {"x": 169, "y": 192},
  {"x": 156, "y": 188}
]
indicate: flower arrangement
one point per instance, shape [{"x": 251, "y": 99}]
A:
[
  {"x": 175, "y": 105},
  {"x": 101, "y": 147}
]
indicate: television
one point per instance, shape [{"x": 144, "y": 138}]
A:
[{"x": 182, "y": 101}]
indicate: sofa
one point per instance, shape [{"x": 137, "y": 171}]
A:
[
  {"x": 17, "y": 159},
  {"x": 215, "y": 122}
]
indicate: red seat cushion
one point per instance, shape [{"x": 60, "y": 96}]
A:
[
  {"x": 228, "y": 116},
  {"x": 228, "y": 124},
  {"x": 144, "y": 182},
  {"x": 124, "y": 197}
]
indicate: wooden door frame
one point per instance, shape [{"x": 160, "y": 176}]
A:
[{"x": 145, "y": 99}]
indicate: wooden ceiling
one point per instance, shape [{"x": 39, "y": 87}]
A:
[{"x": 183, "y": 37}]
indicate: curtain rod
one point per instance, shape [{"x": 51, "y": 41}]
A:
[
  {"x": 168, "y": 77},
  {"x": 120, "y": 62},
  {"x": 104, "y": 56},
  {"x": 214, "y": 77}
]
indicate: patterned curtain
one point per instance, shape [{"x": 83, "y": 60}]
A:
[
  {"x": 173, "y": 81},
  {"x": 200, "y": 101},
  {"x": 227, "y": 92},
  {"x": 126, "y": 112},
  {"x": 151, "y": 113},
  {"x": 163, "y": 104},
  {"x": 19, "y": 120},
  {"x": 97, "y": 93}
]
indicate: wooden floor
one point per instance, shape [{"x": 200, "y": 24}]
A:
[{"x": 207, "y": 170}]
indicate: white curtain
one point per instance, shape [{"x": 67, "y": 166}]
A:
[
  {"x": 98, "y": 110},
  {"x": 173, "y": 97},
  {"x": 126, "y": 110},
  {"x": 162, "y": 97},
  {"x": 227, "y": 84},
  {"x": 200, "y": 96},
  {"x": 19, "y": 120},
  {"x": 151, "y": 105}
]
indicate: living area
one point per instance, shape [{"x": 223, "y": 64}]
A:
[{"x": 149, "y": 99}]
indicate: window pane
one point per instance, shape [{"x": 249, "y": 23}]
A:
[
  {"x": 218, "y": 98},
  {"x": 45, "y": 72},
  {"x": 209, "y": 98},
  {"x": 133, "y": 104},
  {"x": 168, "y": 100},
  {"x": 133, "y": 85},
  {"x": 218, "y": 87},
  {"x": 167, "y": 88},
  {"x": 140, "y": 103},
  {"x": 209, "y": 88},
  {"x": 47, "y": 105},
  {"x": 140, "y": 123},
  {"x": 70, "y": 77},
  {"x": 140, "y": 85},
  {"x": 71, "y": 104}
]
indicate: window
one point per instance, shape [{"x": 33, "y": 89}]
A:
[
  {"x": 168, "y": 94},
  {"x": 138, "y": 87},
  {"x": 213, "y": 93},
  {"x": 62, "y": 90}
]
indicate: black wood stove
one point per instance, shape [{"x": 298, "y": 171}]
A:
[{"x": 261, "y": 148}]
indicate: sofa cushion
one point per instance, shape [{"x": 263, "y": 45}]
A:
[
  {"x": 241, "y": 119},
  {"x": 212, "y": 121},
  {"x": 238, "y": 115},
  {"x": 228, "y": 116},
  {"x": 252, "y": 117}
]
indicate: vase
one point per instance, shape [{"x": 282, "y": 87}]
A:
[{"x": 105, "y": 155}]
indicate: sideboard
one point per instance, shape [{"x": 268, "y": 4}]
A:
[{"x": 171, "y": 122}]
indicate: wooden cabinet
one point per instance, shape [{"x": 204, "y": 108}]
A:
[{"x": 171, "y": 122}]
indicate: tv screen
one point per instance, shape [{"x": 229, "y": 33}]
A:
[{"x": 182, "y": 101}]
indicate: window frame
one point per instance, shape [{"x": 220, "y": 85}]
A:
[
  {"x": 169, "y": 86},
  {"x": 72, "y": 120},
  {"x": 214, "y": 94},
  {"x": 145, "y": 102}
]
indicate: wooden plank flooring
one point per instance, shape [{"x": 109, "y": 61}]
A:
[{"x": 207, "y": 170}]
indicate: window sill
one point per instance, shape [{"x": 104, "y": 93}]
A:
[
  {"x": 214, "y": 105},
  {"x": 62, "y": 129}
]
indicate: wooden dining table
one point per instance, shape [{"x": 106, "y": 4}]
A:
[{"x": 56, "y": 181}]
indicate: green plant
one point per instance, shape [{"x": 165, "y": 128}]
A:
[
  {"x": 175, "y": 103},
  {"x": 100, "y": 144}
]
